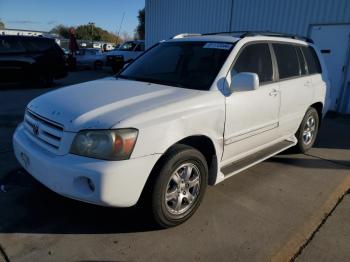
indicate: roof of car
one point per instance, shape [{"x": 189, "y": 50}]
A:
[
  {"x": 27, "y": 37},
  {"x": 232, "y": 37}
]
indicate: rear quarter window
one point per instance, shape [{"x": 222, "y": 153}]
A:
[
  {"x": 313, "y": 64},
  {"x": 287, "y": 60}
]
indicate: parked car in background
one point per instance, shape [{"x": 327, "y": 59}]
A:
[
  {"x": 90, "y": 58},
  {"x": 190, "y": 112},
  {"x": 126, "y": 53},
  {"x": 31, "y": 59}
]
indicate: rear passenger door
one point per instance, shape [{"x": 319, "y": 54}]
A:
[
  {"x": 251, "y": 116},
  {"x": 295, "y": 86}
]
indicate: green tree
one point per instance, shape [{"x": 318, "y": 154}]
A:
[
  {"x": 140, "y": 29},
  {"x": 95, "y": 33},
  {"x": 87, "y": 32},
  {"x": 2, "y": 25},
  {"x": 61, "y": 30}
]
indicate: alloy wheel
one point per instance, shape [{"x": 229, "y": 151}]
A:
[{"x": 182, "y": 189}]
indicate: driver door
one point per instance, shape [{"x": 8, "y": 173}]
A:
[{"x": 252, "y": 117}]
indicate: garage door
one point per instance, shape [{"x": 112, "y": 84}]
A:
[{"x": 333, "y": 41}]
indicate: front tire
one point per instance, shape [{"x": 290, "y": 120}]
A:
[
  {"x": 307, "y": 131},
  {"x": 180, "y": 186}
]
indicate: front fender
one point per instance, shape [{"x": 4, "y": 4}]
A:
[{"x": 163, "y": 127}]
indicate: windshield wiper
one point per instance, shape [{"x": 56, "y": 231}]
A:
[{"x": 124, "y": 77}]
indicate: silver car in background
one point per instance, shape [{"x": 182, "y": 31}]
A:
[{"x": 90, "y": 58}]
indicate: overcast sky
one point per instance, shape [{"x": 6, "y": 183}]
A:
[{"x": 44, "y": 14}]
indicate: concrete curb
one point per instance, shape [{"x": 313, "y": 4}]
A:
[{"x": 298, "y": 241}]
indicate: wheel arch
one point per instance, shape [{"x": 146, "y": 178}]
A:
[
  {"x": 319, "y": 108},
  {"x": 200, "y": 142}
]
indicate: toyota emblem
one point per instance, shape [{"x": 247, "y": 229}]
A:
[{"x": 36, "y": 129}]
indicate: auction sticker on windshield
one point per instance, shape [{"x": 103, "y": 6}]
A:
[{"x": 224, "y": 46}]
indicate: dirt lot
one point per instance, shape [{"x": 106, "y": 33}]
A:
[{"x": 289, "y": 207}]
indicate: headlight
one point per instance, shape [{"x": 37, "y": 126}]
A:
[{"x": 115, "y": 144}]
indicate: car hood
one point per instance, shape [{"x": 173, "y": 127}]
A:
[{"x": 103, "y": 103}]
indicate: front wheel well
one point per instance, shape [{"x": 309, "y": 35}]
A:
[
  {"x": 203, "y": 144},
  {"x": 319, "y": 107},
  {"x": 206, "y": 146}
]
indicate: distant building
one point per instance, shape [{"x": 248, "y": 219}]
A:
[{"x": 327, "y": 22}]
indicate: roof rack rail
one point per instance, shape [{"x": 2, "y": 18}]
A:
[
  {"x": 243, "y": 34},
  {"x": 268, "y": 33},
  {"x": 203, "y": 34},
  {"x": 227, "y": 33},
  {"x": 185, "y": 35}
]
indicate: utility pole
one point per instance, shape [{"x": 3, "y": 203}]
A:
[
  {"x": 120, "y": 26},
  {"x": 92, "y": 24}
]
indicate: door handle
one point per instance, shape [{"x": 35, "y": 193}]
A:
[{"x": 274, "y": 92}]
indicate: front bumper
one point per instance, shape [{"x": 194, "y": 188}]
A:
[{"x": 107, "y": 183}]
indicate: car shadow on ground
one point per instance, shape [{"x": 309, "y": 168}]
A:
[{"x": 28, "y": 207}]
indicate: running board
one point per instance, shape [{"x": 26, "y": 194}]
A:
[{"x": 258, "y": 157}]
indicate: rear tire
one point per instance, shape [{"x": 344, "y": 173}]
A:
[
  {"x": 180, "y": 186},
  {"x": 307, "y": 131}
]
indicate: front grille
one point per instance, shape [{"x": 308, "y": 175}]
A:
[{"x": 43, "y": 131}]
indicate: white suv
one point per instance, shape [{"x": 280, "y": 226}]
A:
[{"x": 190, "y": 112}]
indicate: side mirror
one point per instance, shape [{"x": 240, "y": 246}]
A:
[{"x": 244, "y": 82}]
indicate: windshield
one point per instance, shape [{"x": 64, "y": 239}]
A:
[
  {"x": 192, "y": 65},
  {"x": 127, "y": 46}
]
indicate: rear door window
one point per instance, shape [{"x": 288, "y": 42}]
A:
[
  {"x": 37, "y": 44},
  {"x": 287, "y": 60},
  {"x": 10, "y": 45},
  {"x": 255, "y": 58},
  {"x": 312, "y": 61}
]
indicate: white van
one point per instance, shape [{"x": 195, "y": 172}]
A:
[{"x": 190, "y": 112}]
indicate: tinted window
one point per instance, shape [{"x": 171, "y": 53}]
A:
[
  {"x": 255, "y": 58},
  {"x": 312, "y": 61},
  {"x": 287, "y": 60},
  {"x": 302, "y": 63},
  {"x": 10, "y": 45},
  {"x": 127, "y": 46},
  {"x": 37, "y": 44},
  {"x": 191, "y": 65}
]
